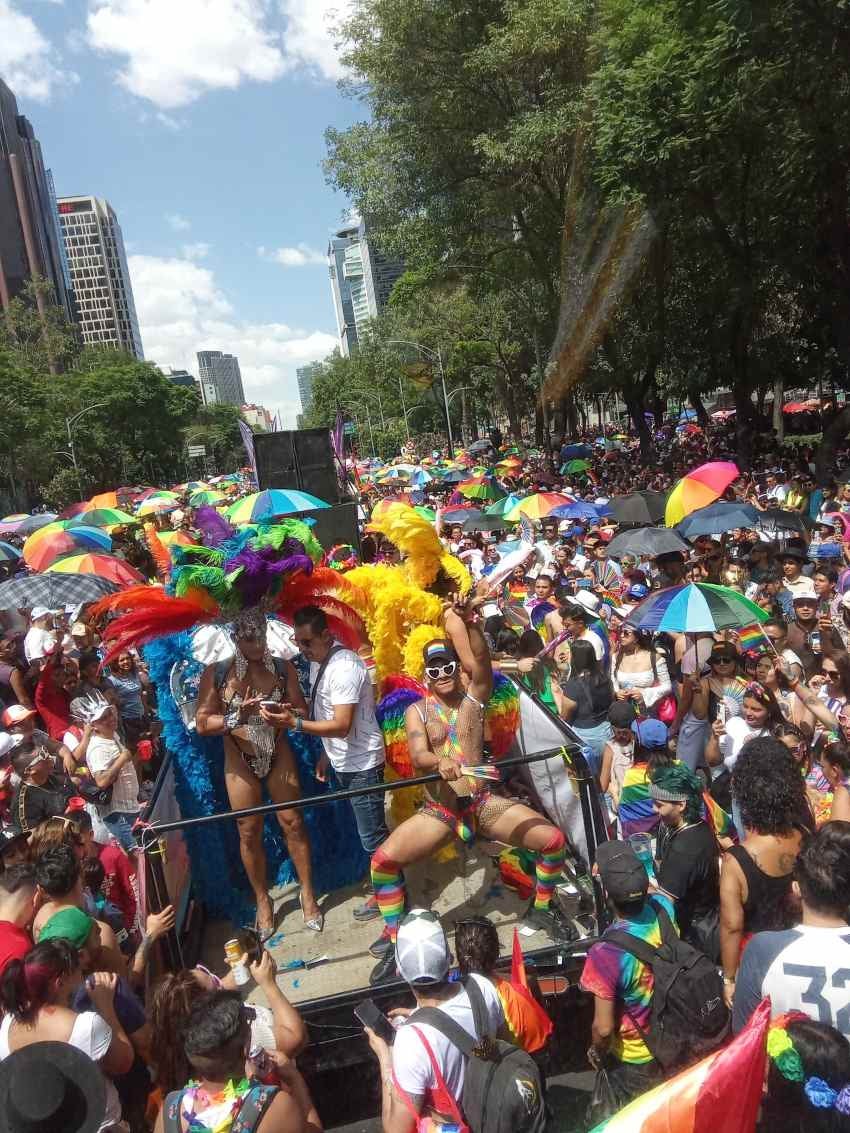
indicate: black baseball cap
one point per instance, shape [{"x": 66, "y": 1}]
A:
[{"x": 622, "y": 874}]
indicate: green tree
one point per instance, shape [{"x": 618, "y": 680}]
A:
[{"x": 216, "y": 427}]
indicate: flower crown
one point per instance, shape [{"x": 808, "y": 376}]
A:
[{"x": 786, "y": 1058}]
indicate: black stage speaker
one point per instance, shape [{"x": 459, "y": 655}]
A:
[
  {"x": 337, "y": 524},
  {"x": 301, "y": 459}
]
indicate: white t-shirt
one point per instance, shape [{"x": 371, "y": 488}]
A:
[
  {"x": 102, "y": 753},
  {"x": 93, "y": 1036},
  {"x": 411, "y": 1064},
  {"x": 738, "y": 731},
  {"x": 38, "y": 642},
  {"x": 595, "y": 640},
  {"x": 346, "y": 681}
]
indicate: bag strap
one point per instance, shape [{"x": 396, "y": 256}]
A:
[
  {"x": 448, "y": 1028},
  {"x": 637, "y": 948},
  {"x": 254, "y": 1105},
  {"x": 171, "y": 1111},
  {"x": 480, "y": 1014},
  {"x": 669, "y": 936},
  {"x": 334, "y": 649},
  {"x": 445, "y": 1092}
]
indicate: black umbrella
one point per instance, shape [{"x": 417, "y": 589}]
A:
[
  {"x": 53, "y": 590},
  {"x": 480, "y": 446},
  {"x": 455, "y": 477},
  {"x": 646, "y": 541},
  {"x": 638, "y": 508},
  {"x": 484, "y": 523},
  {"x": 462, "y": 515},
  {"x": 777, "y": 518}
]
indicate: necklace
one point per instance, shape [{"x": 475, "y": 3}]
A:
[{"x": 219, "y": 1109}]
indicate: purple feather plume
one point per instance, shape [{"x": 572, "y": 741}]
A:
[
  {"x": 262, "y": 571},
  {"x": 213, "y": 527}
]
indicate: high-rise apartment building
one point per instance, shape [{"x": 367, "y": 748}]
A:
[
  {"x": 258, "y": 417},
  {"x": 94, "y": 245},
  {"x": 220, "y": 374},
  {"x": 362, "y": 278},
  {"x": 305, "y": 376},
  {"x": 30, "y": 240}
]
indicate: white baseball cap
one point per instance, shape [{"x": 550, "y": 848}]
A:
[{"x": 422, "y": 951}]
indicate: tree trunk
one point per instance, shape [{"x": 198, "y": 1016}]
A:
[
  {"x": 834, "y": 432},
  {"x": 699, "y": 406},
  {"x": 570, "y": 415},
  {"x": 464, "y": 420},
  {"x": 647, "y": 449},
  {"x": 778, "y": 415}
]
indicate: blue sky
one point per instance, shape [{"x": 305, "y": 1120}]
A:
[{"x": 202, "y": 122}]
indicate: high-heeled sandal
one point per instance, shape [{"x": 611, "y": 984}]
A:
[
  {"x": 264, "y": 934},
  {"x": 315, "y": 924}
]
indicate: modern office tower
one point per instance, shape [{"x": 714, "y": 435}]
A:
[
  {"x": 30, "y": 240},
  {"x": 361, "y": 281},
  {"x": 100, "y": 277},
  {"x": 179, "y": 377},
  {"x": 220, "y": 373},
  {"x": 305, "y": 376}
]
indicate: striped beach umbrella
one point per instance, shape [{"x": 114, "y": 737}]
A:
[{"x": 264, "y": 506}]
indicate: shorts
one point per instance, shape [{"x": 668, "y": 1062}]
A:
[{"x": 475, "y": 817}]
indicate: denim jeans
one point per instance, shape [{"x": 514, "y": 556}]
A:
[
  {"x": 120, "y": 826},
  {"x": 368, "y": 809}
]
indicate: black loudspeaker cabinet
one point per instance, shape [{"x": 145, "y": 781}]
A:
[
  {"x": 337, "y": 524},
  {"x": 301, "y": 459}
]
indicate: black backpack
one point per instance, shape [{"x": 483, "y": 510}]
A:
[
  {"x": 688, "y": 1016},
  {"x": 502, "y": 1088}
]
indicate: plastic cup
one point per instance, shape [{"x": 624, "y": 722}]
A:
[{"x": 642, "y": 846}]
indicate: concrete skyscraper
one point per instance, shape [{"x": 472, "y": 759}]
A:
[
  {"x": 305, "y": 375},
  {"x": 30, "y": 241},
  {"x": 100, "y": 277},
  {"x": 361, "y": 281},
  {"x": 220, "y": 378}
]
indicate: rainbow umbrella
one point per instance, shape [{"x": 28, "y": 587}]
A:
[
  {"x": 699, "y": 488},
  {"x": 104, "y": 566},
  {"x": 695, "y": 607},
  {"x": 153, "y": 506},
  {"x": 74, "y": 509},
  {"x": 481, "y": 488},
  {"x": 208, "y": 498},
  {"x": 102, "y": 517},
  {"x": 425, "y": 512},
  {"x": 53, "y": 541},
  {"x": 105, "y": 499},
  {"x": 11, "y": 523},
  {"x": 32, "y": 523},
  {"x": 176, "y": 538},
  {"x": 505, "y": 505},
  {"x": 8, "y": 553},
  {"x": 261, "y": 507},
  {"x": 538, "y": 506},
  {"x": 719, "y": 1094}
]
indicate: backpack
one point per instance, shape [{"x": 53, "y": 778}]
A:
[
  {"x": 688, "y": 1015},
  {"x": 503, "y": 1090},
  {"x": 247, "y": 1119}
]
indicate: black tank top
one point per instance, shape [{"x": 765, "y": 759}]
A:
[{"x": 768, "y": 905}]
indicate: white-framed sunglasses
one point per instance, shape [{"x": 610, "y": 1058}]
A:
[{"x": 437, "y": 672}]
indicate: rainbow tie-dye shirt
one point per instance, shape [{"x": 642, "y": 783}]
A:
[{"x": 613, "y": 974}]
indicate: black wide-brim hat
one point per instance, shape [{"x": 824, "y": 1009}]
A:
[{"x": 51, "y": 1086}]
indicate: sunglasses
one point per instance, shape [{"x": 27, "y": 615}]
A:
[
  {"x": 830, "y": 672},
  {"x": 437, "y": 672},
  {"x": 721, "y": 660}
]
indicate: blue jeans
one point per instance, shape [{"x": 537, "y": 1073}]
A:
[
  {"x": 120, "y": 826},
  {"x": 368, "y": 809}
]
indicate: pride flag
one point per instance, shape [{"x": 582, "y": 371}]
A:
[
  {"x": 527, "y": 1020},
  {"x": 720, "y": 1094},
  {"x": 751, "y": 637}
]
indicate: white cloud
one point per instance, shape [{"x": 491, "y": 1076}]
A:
[
  {"x": 297, "y": 257},
  {"x": 310, "y": 34},
  {"x": 182, "y": 310},
  {"x": 175, "y": 52},
  {"x": 28, "y": 62},
  {"x": 196, "y": 251},
  {"x": 177, "y": 222}
]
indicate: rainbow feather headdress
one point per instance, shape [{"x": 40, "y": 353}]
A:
[{"x": 268, "y": 568}]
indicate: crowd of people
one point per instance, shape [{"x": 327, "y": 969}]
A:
[{"x": 721, "y": 760}]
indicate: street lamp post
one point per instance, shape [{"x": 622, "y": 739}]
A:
[
  {"x": 70, "y": 423},
  {"x": 433, "y": 356}
]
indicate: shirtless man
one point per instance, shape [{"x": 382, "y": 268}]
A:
[
  {"x": 445, "y": 730},
  {"x": 255, "y": 751}
]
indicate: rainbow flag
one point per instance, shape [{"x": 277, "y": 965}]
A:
[
  {"x": 751, "y": 637},
  {"x": 527, "y": 1020},
  {"x": 720, "y": 1094}
]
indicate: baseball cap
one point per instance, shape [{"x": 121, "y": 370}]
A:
[
  {"x": 650, "y": 733},
  {"x": 7, "y": 743},
  {"x": 437, "y": 652},
  {"x": 15, "y": 713},
  {"x": 39, "y": 612},
  {"x": 638, "y": 591},
  {"x": 422, "y": 951},
  {"x": 621, "y": 872},
  {"x": 805, "y": 594},
  {"x": 72, "y": 925}
]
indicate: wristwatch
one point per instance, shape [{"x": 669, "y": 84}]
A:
[{"x": 231, "y": 720}]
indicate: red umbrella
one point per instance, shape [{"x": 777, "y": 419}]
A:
[{"x": 74, "y": 509}]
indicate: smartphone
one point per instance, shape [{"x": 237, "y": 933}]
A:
[
  {"x": 375, "y": 1020},
  {"x": 269, "y": 704},
  {"x": 721, "y": 712},
  {"x": 252, "y": 945}
]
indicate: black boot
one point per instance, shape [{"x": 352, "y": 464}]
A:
[{"x": 385, "y": 971}]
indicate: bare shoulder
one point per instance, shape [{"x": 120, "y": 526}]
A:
[{"x": 284, "y": 1115}]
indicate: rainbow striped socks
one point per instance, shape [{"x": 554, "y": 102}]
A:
[
  {"x": 548, "y": 868},
  {"x": 388, "y": 884}
]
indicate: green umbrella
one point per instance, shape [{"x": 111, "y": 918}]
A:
[
  {"x": 426, "y": 513},
  {"x": 576, "y": 466},
  {"x": 502, "y": 506}
]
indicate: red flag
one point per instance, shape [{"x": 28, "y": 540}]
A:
[{"x": 527, "y": 1021}]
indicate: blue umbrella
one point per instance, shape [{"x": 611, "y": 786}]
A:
[
  {"x": 577, "y": 450},
  {"x": 8, "y": 553},
  {"x": 696, "y": 607},
  {"x": 580, "y": 509},
  {"x": 724, "y": 515}
]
